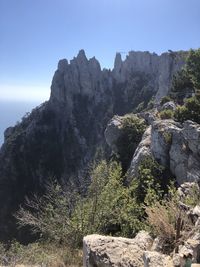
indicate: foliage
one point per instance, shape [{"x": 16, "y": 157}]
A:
[
  {"x": 192, "y": 198},
  {"x": 181, "y": 85},
  {"x": 49, "y": 215},
  {"x": 131, "y": 134},
  {"x": 167, "y": 137},
  {"x": 108, "y": 208},
  {"x": 164, "y": 100},
  {"x": 189, "y": 111},
  {"x": 152, "y": 181},
  {"x": 187, "y": 81},
  {"x": 193, "y": 67},
  {"x": 38, "y": 253},
  {"x": 166, "y": 114},
  {"x": 169, "y": 222},
  {"x": 170, "y": 219}
]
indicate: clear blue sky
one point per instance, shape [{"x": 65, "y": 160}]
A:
[{"x": 35, "y": 34}]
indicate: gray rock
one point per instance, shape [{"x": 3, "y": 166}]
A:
[
  {"x": 149, "y": 117},
  {"x": 143, "y": 151},
  {"x": 156, "y": 259},
  {"x": 107, "y": 251},
  {"x": 177, "y": 148},
  {"x": 191, "y": 133},
  {"x": 161, "y": 68},
  {"x": 196, "y": 210},
  {"x": 169, "y": 105},
  {"x": 113, "y": 131},
  {"x": 191, "y": 249},
  {"x": 161, "y": 139}
]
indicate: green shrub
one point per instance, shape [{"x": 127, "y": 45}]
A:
[
  {"x": 151, "y": 180},
  {"x": 108, "y": 209},
  {"x": 166, "y": 114},
  {"x": 193, "y": 67},
  {"x": 131, "y": 134},
  {"x": 189, "y": 111},
  {"x": 181, "y": 85},
  {"x": 187, "y": 81}
]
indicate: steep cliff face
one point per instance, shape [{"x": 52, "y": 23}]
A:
[{"x": 60, "y": 138}]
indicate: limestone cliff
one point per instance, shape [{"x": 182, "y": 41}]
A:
[{"x": 61, "y": 137}]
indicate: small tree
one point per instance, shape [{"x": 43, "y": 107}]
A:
[
  {"x": 193, "y": 67},
  {"x": 131, "y": 134}
]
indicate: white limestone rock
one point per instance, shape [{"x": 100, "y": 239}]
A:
[
  {"x": 107, "y": 251},
  {"x": 156, "y": 259},
  {"x": 143, "y": 151},
  {"x": 169, "y": 105},
  {"x": 113, "y": 131}
]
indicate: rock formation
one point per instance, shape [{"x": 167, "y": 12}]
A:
[
  {"x": 106, "y": 251},
  {"x": 173, "y": 145},
  {"x": 61, "y": 137},
  {"x": 141, "y": 251},
  {"x": 177, "y": 147}
]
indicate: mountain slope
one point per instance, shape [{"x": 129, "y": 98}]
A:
[{"x": 60, "y": 138}]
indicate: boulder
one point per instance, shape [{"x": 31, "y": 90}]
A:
[
  {"x": 113, "y": 131},
  {"x": 169, "y": 105},
  {"x": 107, "y": 251}
]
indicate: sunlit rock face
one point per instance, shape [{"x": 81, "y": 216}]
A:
[
  {"x": 159, "y": 69},
  {"x": 60, "y": 138}
]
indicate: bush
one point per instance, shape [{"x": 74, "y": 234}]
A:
[
  {"x": 62, "y": 221},
  {"x": 108, "y": 209},
  {"x": 170, "y": 218},
  {"x": 181, "y": 86},
  {"x": 166, "y": 114},
  {"x": 151, "y": 181},
  {"x": 189, "y": 111},
  {"x": 193, "y": 67},
  {"x": 131, "y": 134},
  {"x": 50, "y": 215},
  {"x": 165, "y": 99},
  {"x": 170, "y": 222}
]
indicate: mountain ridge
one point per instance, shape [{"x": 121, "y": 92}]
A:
[{"x": 61, "y": 137}]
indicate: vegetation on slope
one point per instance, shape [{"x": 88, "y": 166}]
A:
[
  {"x": 185, "y": 91},
  {"x": 110, "y": 206}
]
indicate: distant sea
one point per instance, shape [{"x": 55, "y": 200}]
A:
[{"x": 12, "y": 112}]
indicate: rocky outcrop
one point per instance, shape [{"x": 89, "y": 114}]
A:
[
  {"x": 143, "y": 151},
  {"x": 160, "y": 68},
  {"x": 106, "y": 251},
  {"x": 113, "y": 132},
  {"x": 176, "y": 146},
  {"x": 168, "y": 105}
]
